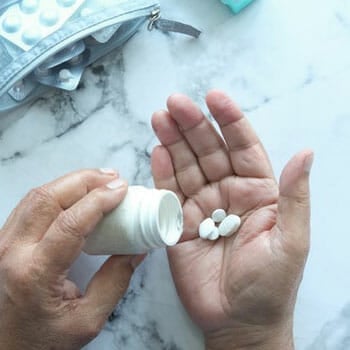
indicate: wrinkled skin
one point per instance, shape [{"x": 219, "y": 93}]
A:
[
  {"x": 40, "y": 308},
  {"x": 239, "y": 290}
]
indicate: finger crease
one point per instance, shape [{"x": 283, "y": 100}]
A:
[
  {"x": 185, "y": 167},
  {"x": 201, "y": 121},
  {"x": 244, "y": 146},
  {"x": 224, "y": 125},
  {"x": 210, "y": 152}
]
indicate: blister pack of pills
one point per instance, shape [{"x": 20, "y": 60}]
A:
[
  {"x": 29, "y": 21},
  {"x": 51, "y": 42}
]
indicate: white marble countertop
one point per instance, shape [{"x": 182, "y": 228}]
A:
[{"x": 287, "y": 64}]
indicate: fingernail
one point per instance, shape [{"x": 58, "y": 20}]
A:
[
  {"x": 108, "y": 171},
  {"x": 308, "y": 163},
  {"x": 137, "y": 260},
  {"x": 115, "y": 184}
]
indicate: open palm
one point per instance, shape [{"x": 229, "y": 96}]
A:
[{"x": 250, "y": 278}]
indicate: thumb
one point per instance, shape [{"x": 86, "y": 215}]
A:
[
  {"x": 107, "y": 287},
  {"x": 293, "y": 216}
]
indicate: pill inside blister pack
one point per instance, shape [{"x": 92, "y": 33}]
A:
[
  {"x": 65, "y": 76},
  {"x": 51, "y": 42},
  {"x": 26, "y": 23}
]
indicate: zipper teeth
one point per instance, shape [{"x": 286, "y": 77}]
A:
[{"x": 144, "y": 12}]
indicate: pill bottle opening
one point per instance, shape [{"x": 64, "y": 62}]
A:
[{"x": 170, "y": 219}]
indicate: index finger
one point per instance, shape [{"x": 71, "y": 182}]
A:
[
  {"x": 70, "y": 188},
  {"x": 66, "y": 237},
  {"x": 41, "y": 206},
  {"x": 247, "y": 154}
]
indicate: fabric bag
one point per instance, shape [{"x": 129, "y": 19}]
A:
[{"x": 49, "y": 43}]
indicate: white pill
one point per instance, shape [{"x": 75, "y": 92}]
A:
[
  {"x": 229, "y": 225},
  {"x": 65, "y": 75},
  {"x": 49, "y": 18},
  {"x": 214, "y": 234},
  {"x": 29, "y": 6},
  {"x": 218, "y": 215},
  {"x": 206, "y": 227},
  {"x": 11, "y": 24},
  {"x": 66, "y": 3},
  {"x": 19, "y": 86},
  {"x": 31, "y": 36}
]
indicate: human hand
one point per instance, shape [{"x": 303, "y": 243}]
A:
[
  {"x": 40, "y": 308},
  {"x": 240, "y": 290}
]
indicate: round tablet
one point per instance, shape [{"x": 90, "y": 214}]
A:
[
  {"x": 218, "y": 215},
  {"x": 66, "y": 3},
  {"x": 31, "y": 36},
  {"x": 29, "y": 6},
  {"x": 49, "y": 18},
  {"x": 11, "y": 24},
  {"x": 64, "y": 75}
]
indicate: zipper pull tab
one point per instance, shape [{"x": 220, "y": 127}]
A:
[{"x": 166, "y": 25}]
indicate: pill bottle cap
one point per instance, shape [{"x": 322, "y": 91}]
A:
[{"x": 161, "y": 219}]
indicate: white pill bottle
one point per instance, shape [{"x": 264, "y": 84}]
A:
[{"x": 144, "y": 220}]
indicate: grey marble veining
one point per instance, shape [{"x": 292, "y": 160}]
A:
[{"x": 335, "y": 334}]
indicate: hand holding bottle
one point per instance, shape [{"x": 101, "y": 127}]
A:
[{"x": 40, "y": 308}]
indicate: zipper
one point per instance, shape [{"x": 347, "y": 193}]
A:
[
  {"x": 155, "y": 16},
  {"x": 31, "y": 59},
  {"x": 167, "y": 25},
  {"x": 25, "y": 63}
]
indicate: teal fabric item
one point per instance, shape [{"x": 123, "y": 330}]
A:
[{"x": 237, "y": 5}]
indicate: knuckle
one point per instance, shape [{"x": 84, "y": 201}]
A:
[
  {"x": 23, "y": 278},
  {"x": 302, "y": 199},
  {"x": 88, "y": 173},
  {"x": 39, "y": 195},
  {"x": 301, "y": 196},
  {"x": 89, "y": 177},
  {"x": 68, "y": 223},
  {"x": 39, "y": 202}
]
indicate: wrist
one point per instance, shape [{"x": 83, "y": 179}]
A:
[{"x": 252, "y": 338}]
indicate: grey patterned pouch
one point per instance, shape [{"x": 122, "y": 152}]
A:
[{"x": 49, "y": 43}]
